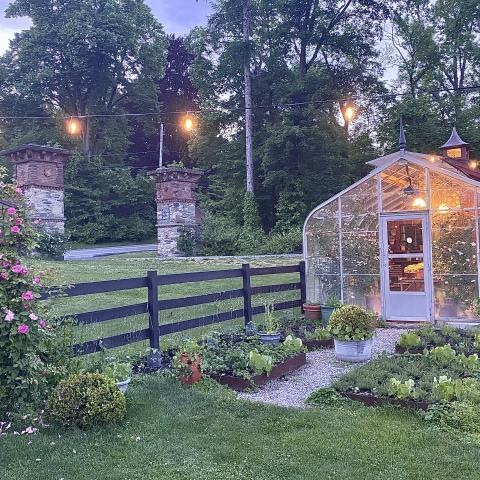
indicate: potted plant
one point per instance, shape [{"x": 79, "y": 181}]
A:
[
  {"x": 270, "y": 334},
  {"x": 330, "y": 305},
  {"x": 352, "y": 329},
  {"x": 187, "y": 362},
  {"x": 312, "y": 311},
  {"x": 121, "y": 373}
]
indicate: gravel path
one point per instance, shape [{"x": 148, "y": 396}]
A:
[{"x": 320, "y": 371}]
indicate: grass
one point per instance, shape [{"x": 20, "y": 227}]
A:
[
  {"x": 129, "y": 266},
  {"x": 181, "y": 434}
]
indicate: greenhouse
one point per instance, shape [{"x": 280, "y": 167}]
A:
[{"x": 404, "y": 240}]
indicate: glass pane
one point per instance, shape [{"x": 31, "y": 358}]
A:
[
  {"x": 454, "y": 247},
  {"x": 362, "y": 199},
  {"x": 406, "y": 275},
  {"x": 323, "y": 246},
  {"x": 405, "y": 236},
  {"x": 455, "y": 296},
  {"x": 403, "y": 188},
  {"x": 360, "y": 246},
  {"x": 447, "y": 194},
  {"x": 363, "y": 290}
]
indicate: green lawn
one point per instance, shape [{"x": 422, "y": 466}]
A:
[
  {"x": 174, "y": 433},
  {"x": 130, "y": 266}
]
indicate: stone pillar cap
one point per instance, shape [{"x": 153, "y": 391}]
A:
[{"x": 36, "y": 148}]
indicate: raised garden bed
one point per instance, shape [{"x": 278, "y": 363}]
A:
[
  {"x": 241, "y": 384},
  {"x": 318, "y": 344},
  {"x": 373, "y": 401},
  {"x": 402, "y": 350}
]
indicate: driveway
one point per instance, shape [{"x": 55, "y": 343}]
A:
[{"x": 90, "y": 253}]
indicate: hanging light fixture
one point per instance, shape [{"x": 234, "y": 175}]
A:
[{"x": 419, "y": 202}]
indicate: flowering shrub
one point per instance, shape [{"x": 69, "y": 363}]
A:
[{"x": 25, "y": 336}]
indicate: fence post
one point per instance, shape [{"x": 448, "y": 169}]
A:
[
  {"x": 154, "y": 358},
  {"x": 247, "y": 294},
  {"x": 303, "y": 284}
]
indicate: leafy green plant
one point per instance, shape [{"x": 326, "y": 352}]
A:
[
  {"x": 444, "y": 388},
  {"x": 443, "y": 354},
  {"x": 87, "y": 399},
  {"x": 293, "y": 345},
  {"x": 270, "y": 322},
  {"x": 321, "y": 333},
  {"x": 118, "y": 371},
  {"x": 409, "y": 340},
  {"x": 191, "y": 350},
  {"x": 350, "y": 322},
  {"x": 260, "y": 363},
  {"x": 333, "y": 302},
  {"x": 469, "y": 362},
  {"x": 399, "y": 389},
  {"x": 325, "y": 396},
  {"x": 459, "y": 415}
]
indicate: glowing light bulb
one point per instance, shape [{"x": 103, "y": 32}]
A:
[
  {"x": 349, "y": 113},
  {"x": 73, "y": 126},
  {"x": 188, "y": 123},
  {"x": 419, "y": 202},
  {"x": 472, "y": 164},
  {"x": 432, "y": 158}
]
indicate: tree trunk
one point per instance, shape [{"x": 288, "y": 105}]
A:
[
  {"x": 248, "y": 97},
  {"x": 86, "y": 137}
]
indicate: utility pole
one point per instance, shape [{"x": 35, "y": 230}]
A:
[
  {"x": 248, "y": 97},
  {"x": 160, "y": 156}
]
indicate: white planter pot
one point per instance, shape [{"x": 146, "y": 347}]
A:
[
  {"x": 123, "y": 386},
  {"x": 353, "y": 350}
]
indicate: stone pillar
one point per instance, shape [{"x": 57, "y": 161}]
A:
[
  {"x": 38, "y": 170},
  {"x": 176, "y": 206}
]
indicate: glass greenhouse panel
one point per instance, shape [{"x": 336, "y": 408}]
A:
[
  {"x": 363, "y": 290},
  {"x": 447, "y": 193},
  {"x": 455, "y": 296},
  {"x": 323, "y": 253},
  {"x": 361, "y": 199},
  {"x": 403, "y": 188},
  {"x": 454, "y": 242}
]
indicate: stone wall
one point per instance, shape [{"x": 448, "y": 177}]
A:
[{"x": 49, "y": 207}]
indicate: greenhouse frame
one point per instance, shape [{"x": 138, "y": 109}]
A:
[{"x": 404, "y": 240}]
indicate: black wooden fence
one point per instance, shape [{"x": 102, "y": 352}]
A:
[{"x": 153, "y": 307}]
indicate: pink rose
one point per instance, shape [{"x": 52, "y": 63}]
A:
[
  {"x": 19, "y": 191},
  {"x": 11, "y": 211},
  {"x": 17, "y": 268},
  {"x": 27, "y": 296},
  {"x": 9, "y": 316},
  {"x": 42, "y": 324},
  {"x": 18, "y": 221},
  {"x": 37, "y": 280},
  {"x": 5, "y": 264},
  {"x": 24, "y": 271},
  {"x": 15, "y": 229},
  {"x": 23, "y": 329},
  {"x": 4, "y": 275},
  {"x": 33, "y": 317}
]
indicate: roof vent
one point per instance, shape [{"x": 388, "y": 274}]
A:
[{"x": 455, "y": 148}]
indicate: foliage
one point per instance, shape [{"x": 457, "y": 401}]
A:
[
  {"x": 333, "y": 302},
  {"x": 87, "y": 399},
  {"x": 52, "y": 244},
  {"x": 285, "y": 242},
  {"x": 292, "y": 345},
  {"x": 431, "y": 377},
  {"x": 105, "y": 203},
  {"x": 28, "y": 346},
  {"x": 399, "y": 389},
  {"x": 350, "y": 322},
  {"x": 458, "y": 415},
  {"x": 270, "y": 322},
  {"x": 260, "y": 363},
  {"x": 190, "y": 350},
  {"x": 187, "y": 241},
  {"x": 442, "y": 354},
  {"x": 118, "y": 371},
  {"x": 320, "y": 333},
  {"x": 325, "y": 396}
]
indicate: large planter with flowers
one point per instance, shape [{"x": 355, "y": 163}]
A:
[{"x": 352, "y": 329}]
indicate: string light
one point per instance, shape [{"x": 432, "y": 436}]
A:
[{"x": 73, "y": 126}]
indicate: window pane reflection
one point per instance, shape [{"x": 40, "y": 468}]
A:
[{"x": 406, "y": 275}]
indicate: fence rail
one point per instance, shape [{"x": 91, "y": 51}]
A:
[{"x": 154, "y": 306}]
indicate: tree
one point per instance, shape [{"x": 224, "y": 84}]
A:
[{"x": 84, "y": 57}]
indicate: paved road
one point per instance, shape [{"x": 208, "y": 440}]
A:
[{"x": 89, "y": 253}]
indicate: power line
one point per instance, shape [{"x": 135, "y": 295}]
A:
[{"x": 391, "y": 95}]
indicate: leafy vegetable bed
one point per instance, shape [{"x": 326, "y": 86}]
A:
[
  {"x": 461, "y": 340},
  {"x": 439, "y": 376},
  {"x": 314, "y": 337},
  {"x": 240, "y": 384}
]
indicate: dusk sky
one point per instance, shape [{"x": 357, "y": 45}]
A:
[{"x": 177, "y": 16}]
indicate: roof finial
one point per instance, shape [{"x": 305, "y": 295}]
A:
[{"x": 402, "y": 141}]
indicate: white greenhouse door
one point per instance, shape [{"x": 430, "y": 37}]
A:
[{"x": 406, "y": 270}]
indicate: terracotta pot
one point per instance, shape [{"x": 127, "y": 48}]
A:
[
  {"x": 312, "y": 312},
  {"x": 194, "y": 366}
]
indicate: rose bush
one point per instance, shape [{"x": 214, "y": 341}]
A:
[{"x": 27, "y": 342}]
